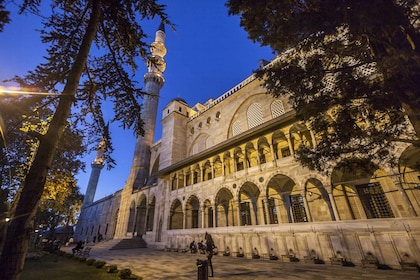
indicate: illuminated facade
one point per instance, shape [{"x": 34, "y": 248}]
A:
[{"x": 227, "y": 167}]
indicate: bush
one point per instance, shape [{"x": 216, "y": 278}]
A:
[
  {"x": 111, "y": 268},
  {"x": 90, "y": 261},
  {"x": 99, "y": 264},
  {"x": 82, "y": 259},
  {"x": 124, "y": 273}
]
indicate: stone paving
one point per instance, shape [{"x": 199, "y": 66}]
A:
[{"x": 156, "y": 264}]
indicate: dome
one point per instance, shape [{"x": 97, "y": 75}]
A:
[{"x": 179, "y": 99}]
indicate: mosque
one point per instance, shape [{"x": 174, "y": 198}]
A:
[{"x": 226, "y": 166}]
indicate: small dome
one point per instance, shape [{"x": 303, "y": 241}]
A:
[{"x": 179, "y": 99}]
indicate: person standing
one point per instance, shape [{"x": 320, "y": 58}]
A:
[{"x": 209, "y": 250}]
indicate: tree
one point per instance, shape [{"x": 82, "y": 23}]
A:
[
  {"x": 351, "y": 69},
  {"x": 4, "y": 15},
  {"x": 60, "y": 203},
  {"x": 85, "y": 79},
  {"x": 21, "y": 115}
]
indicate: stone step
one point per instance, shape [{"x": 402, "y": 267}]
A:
[{"x": 131, "y": 243}]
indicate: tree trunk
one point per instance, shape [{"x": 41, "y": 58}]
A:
[{"x": 21, "y": 224}]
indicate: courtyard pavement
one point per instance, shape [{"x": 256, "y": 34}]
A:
[{"x": 157, "y": 264}]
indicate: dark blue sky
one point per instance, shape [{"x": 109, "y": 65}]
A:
[{"x": 208, "y": 54}]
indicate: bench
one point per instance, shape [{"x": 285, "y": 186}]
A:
[
  {"x": 84, "y": 253},
  {"x": 370, "y": 261}
]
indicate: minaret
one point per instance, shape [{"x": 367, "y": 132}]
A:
[
  {"x": 153, "y": 82},
  {"x": 97, "y": 166}
]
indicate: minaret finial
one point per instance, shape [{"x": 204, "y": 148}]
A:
[{"x": 162, "y": 26}]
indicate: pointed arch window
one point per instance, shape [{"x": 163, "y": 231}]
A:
[
  {"x": 255, "y": 115},
  {"x": 277, "y": 108},
  {"x": 236, "y": 128}
]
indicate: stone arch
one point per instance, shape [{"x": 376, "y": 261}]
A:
[
  {"x": 358, "y": 193},
  {"x": 151, "y": 214},
  {"x": 228, "y": 163},
  {"x": 217, "y": 166},
  {"x": 199, "y": 144},
  {"x": 239, "y": 159},
  {"x": 280, "y": 145},
  {"x": 207, "y": 171},
  {"x": 196, "y": 173},
  {"x": 248, "y": 204},
  {"x": 264, "y": 150},
  {"x": 208, "y": 214},
  {"x": 141, "y": 212},
  {"x": 251, "y": 155},
  {"x": 318, "y": 201},
  {"x": 192, "y": 210},
  {"x": 176, "y": 216},
  {"x": 225, "y": 208},
  {"x": 284, "y": 201},
  {"x": 155, "y": 168},
  {"x": 300, "y": 135},
  {"x": 131, "y": 217},
  {"x": 409, "y": 170}
]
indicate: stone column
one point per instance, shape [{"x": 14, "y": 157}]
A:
[{"x": 305, "y": 203}]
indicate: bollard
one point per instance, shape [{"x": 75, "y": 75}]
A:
[{"x": 202, "y": 270}]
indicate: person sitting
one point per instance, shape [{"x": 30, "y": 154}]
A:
[
  {"x": 273, "y": 256},
  {"x": 255, "y": 254},
  {"x": 201, "y": 247},
  {"x": 79, "y": 246},
  {"x": 240, "y": 254},
  {"x": 227, "y": 252},
  {"x": 193, "y": 247}
]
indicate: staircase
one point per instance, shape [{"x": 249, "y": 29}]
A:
[{"x": 131, "y": 243}]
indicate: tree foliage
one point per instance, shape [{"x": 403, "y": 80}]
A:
[
  {"x": 4, "y": 15},
  {"x": 93, "y": 47},
  {"x": 351, "y": 70},
  {"x": 60, "y": 203}
]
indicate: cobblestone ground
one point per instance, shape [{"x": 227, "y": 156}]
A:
[{"x": 154, "y": 264}]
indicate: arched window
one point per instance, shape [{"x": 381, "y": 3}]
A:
[
  {"x": 255, "y": 115},
  {"x": 277, "y": 108},
  {"x": 236, "y": 128}
]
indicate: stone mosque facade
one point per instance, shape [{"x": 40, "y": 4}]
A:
[{"x": 227, "y": 167}]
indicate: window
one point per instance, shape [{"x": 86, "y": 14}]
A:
[
  {"x": 255, "y": 115},
  {"x": 374, "y": 201},
  {"x": 236, "y": 128},
  {"x": 245, "y": 214},
  {"x": 272, "y": 211},
  {"x": 298, "y": 208},
  {"x": 285, "y": 152},
  {"x": 277, "y": 108}
]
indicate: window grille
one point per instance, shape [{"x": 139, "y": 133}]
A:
[
  {"x": 374, "y": 201},
  {"x": 272, "y": 211},
  {"x": 245, "y": 214},
  {"x": 255, "y": 115},
  {"x": 298, "y": 208},
  {"x": 236, "y": 128},
  {"x": 277, "y": 108}
]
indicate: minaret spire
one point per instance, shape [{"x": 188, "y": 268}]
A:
[
  {"x": 153, "y": 82},
  {"x": 97, "y": 166}
]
